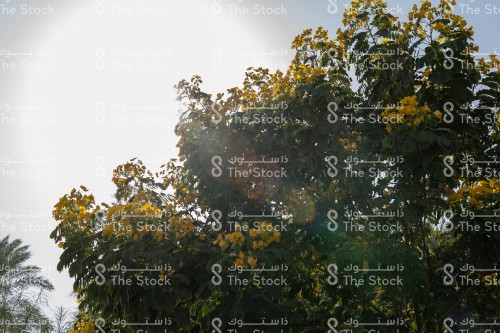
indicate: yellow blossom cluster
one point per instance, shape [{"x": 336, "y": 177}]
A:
[
  {"x": 459, "y": 21},
  {"x": 492, "y": 64},
  {"x": 436, "y": 18},
  {"x": 248, "y": 261},
  {"x": 447, "y": 5},
  {"x": 85, "y": 325},
  {"x": 262, "y": 236},
  {"x": 149, "y": 210},
  {"x": 124, "y": 172},
  {"x": 181, "y": 226},
  {"x": 107, "y": 231},
  {"x": 409, "y": 114},
  {"x": 74, "y": 207},
  {"x": 348, "y": 144},
  {"x": 476, "y": 193},
  {"x": 121, "y": 219},
  {"x": 357, "y": 7},
  {"x": 438, "y": 25},
  {"x": 187, "y": 194},
  {"x": 140, "y": 207},
  {"x": 261, "y": 87},
  {"x": 308, "y": 73},
  {"x": 234, "y": 238},
  {"x": 351, "y": 143}
]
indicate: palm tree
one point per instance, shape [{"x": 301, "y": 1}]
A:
[{"x": 23, "y": 292}]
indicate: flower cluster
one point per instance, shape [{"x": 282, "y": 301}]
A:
[
  {"x": 243, "y": 261},
  {"x": 74, "y": 207},
  {"x": 125, "y": 172},
  {"x": 351, "y": 143},
  {"x": 409, "y": 113},
  {"x": 234, "y": 238},
  {"x": 84, "y": 325},
  {"x": 262, "y": 237},
  {"x": 352, "y": 15},
  {"x": 308, "y": 73},
  {"x": 181, "y": 226},
  {"x": 485, "y": 66},
  {"x": 476, "y": 193},
  {"x": 123, "y": 220}
]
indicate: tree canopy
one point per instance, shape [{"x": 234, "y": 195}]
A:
[{"x": 359, "y": 186}]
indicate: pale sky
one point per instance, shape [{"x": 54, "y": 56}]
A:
[{"x": 88, "y": 85}]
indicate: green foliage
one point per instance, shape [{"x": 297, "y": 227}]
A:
[
  {"x": 23, "y": 292},
  {"x": 321, "y": 130}
]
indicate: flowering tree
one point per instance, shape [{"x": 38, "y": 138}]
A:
[{"x": 298, "y": 197}]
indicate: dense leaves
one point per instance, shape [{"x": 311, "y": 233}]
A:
[
  {"x": 23, "y": 291},
  {"x": 370, "y": 125}
]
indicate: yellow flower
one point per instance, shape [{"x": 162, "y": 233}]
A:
[
  {"x": 239, "y": 262},
  {"x": 388, "y": 128},
  {"x": 107, "y": 231},
  {"x": 438, "y": 25},
  {"x": 223, "y": 245},
  {"x": 319, "y": 71},
  {"x": 251, "y": 261},
  {"x": 159, "y": 235},
  {"x": 438, "y": 114},
  {"x": 236, "y": 237},
  {"x": 252, "y": 232},
  {"x": 457, "y": 196}
]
